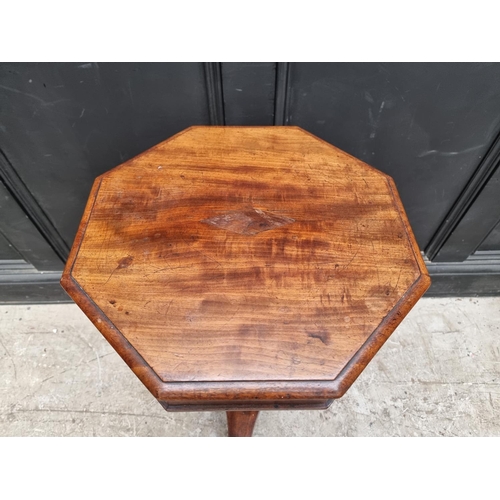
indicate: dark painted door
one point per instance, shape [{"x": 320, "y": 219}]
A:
[
  {"x": 62, "y": 125},
  {"x": 432, "y": 127},
  {"x": 29, "y": 267}
]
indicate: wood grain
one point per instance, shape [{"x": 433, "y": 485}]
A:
[
  {"x": 237, "y": 264},
  {"x": 241, "y": 423}
]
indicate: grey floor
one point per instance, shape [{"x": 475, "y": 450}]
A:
[{"x": 438, "y": 375}]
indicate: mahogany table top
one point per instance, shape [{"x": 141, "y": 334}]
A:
[{"x": 245, "y": 262}]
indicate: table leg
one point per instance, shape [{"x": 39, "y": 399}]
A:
[{"x": 241, "y": 423}]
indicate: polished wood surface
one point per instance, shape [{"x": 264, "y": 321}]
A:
[
  {"x": 250, "y": 266},
  {"x": 241, "y": 423}
]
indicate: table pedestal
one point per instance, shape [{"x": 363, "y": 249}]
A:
[{"x": 241, "y": 423}]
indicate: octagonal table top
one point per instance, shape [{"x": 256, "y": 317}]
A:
[{"x": 228, "y": 259}]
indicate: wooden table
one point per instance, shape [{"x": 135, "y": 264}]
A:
[{"x": 245, "y": 269}]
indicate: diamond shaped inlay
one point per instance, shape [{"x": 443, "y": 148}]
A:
[{"x": 250, "y": 221}]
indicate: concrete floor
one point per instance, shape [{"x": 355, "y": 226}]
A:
[{"x": 438, "y": 375}]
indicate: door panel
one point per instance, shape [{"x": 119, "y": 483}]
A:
[
  {"x": 427, "y": 125},
  {"x": 7, "y": 251},
  {"x": 25, "y": 238},
  {"x": 65, "y": 124},
  {"x": 430, "y": 126},
  {"x": 478, "y": 222},
  {"x": 492, "y": 241},
  {"x": 29, "y": 268},
  {"x": 248, "y": 93}
]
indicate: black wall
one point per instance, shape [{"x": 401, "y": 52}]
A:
[{"x": 432, "y": 127}]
